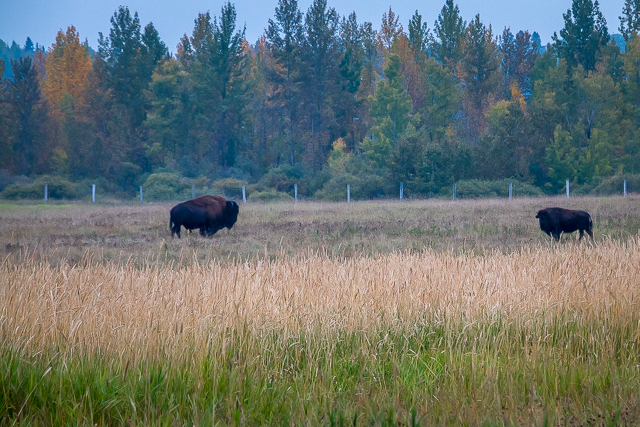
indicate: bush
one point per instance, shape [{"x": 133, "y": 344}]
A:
[
  {"x": 171, "y": 186},
  {"x": 58, "y": 188},
  {"x": 363, "y": 187},
  {"x": 478, "y": 189},
  {"x": 229, "y": 187},
  {"x": 269, "y": 196},
  {"x": 282, "y": 178},
  {"x": 615, "y": 185}
]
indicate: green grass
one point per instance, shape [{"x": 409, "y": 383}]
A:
[{"x": 491, "y": 373}]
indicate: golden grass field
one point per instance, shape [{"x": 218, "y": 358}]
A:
[{"x": 387, "y": 313}]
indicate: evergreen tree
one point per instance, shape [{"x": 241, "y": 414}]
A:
[
  {"x": 419, "y": 37},
  {"x": 228, "y": 58},
  {"x": 284, "y": 38},
  {"x": 122, "y": 53},
  {"x": 23, "y": 99},
  {"x": 28, "y": 45},
  {"x": 443, "y": 101},
  {"x": 347, "y": 104},
  {"x": 479, "y": 66},
  {"x": 583, "y": 36},
  {"x": 449, "y": 30},
  {"x": 630, "y": 19},
  {"x": 390, "y": 108},
  {"x": 321, "y": 60},
  {"x": 169, "y": 119}
]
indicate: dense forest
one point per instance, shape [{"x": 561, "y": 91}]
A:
[{"x": 323, "y": 100}]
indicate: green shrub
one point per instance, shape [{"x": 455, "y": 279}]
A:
[
  {"x": 171, "y": 186},
  {"x": 363, "y": 187},
  {"x": 615, "y": 185},
  {"x": 58, "y": 188},
  {"x": 479, "y": 189},
  {"x": 228, "y": 187},
  {"x": 282, "y": 178},
  {"x": 269, "y": 196}
]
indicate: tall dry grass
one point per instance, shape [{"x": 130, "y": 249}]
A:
[
  {"x": 155, "y": 311},
  {"x": 547, "y": 334}
]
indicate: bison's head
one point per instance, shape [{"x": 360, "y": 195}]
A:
[
  {"x": 544, "y": 219},
  {"x": 231, "y": 214}
]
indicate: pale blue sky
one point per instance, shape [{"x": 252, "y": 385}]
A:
[{"x": 41, "y": 19}]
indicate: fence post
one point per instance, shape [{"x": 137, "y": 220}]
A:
[
  {"x": 348, "y": 193},
  {"x": 141, "y": 194},
  {"x": 295, "y": 190},
  {"x": 46, "y": 193},
  {"x": 510, "y": 190},
  {"x": 93, "y": 193},
  {"x": 625, "y": 188},
  {"x": 401, "y": 192},
  {"x": 193, "y": 191},
  {"x": 454, "y": 191},
  {"x": 244, "y": 195},
  {"x": 567, "y": 188}
]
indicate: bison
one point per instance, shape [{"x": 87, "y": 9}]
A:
[
  {"x": 207, "y": 213},
  {"x": 554, "y": 221}
]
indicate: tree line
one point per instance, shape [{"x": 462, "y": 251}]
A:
[{"x": 327, "y": 100}]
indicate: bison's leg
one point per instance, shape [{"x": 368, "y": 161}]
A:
[
  {"x": 589, "y": 232},
  {"x": 581, "y": 234},
  {"x": 556, "y": 235},
  {"x": 203, "y": 231}
]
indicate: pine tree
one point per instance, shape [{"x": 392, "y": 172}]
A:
[
  {"x": 449, "y": 30},
  {"x": 583, "y": 36},
  {"x": 390, "y": 108},
  {"x": 630, "y": 19},
  {"x": 169, "y": 119},
  {"x": 479, "y": 66},
  {"x": 228, "y": 58},
  {"x": 284, "y": 39},
  {"x": 419, "y": 37},
  {"x": 23, "y": 98}
]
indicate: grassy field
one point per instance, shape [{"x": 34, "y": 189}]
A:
[
  {"x": 376, "y": 313},
  {"x": 141, "y": 233}
]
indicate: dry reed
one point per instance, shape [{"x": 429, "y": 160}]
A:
[{"x": 160, "y": 311}]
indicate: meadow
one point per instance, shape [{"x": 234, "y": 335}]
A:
[{"x": 372, "y": 313}]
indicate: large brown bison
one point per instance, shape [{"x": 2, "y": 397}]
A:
[
  {"x": 555, "y": 221},
  {"x": 207, "y": 213}
]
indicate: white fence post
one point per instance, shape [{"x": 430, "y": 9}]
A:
[
  {"x": 401, "y": 192},
  {"x": 193, "y": 191},
  {"x": 244, "y": 195},
  {"x": 510, "y": 190},
  {"x": 454, "y": 191},
  {"x": 46, "y": 193},
  {"x": 348, "y": 193},
  {"x": 625, "y": 188},
  {"x": 93, "y": 193},
  {"x": 567, "y": 188},
  {"x": 141, "y": 194},
  {"x": 295, "y": 190}
]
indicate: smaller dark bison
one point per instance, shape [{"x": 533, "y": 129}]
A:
[
  {"x": 555, "y": 221},
  {"x": 207, "y": 213}
]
